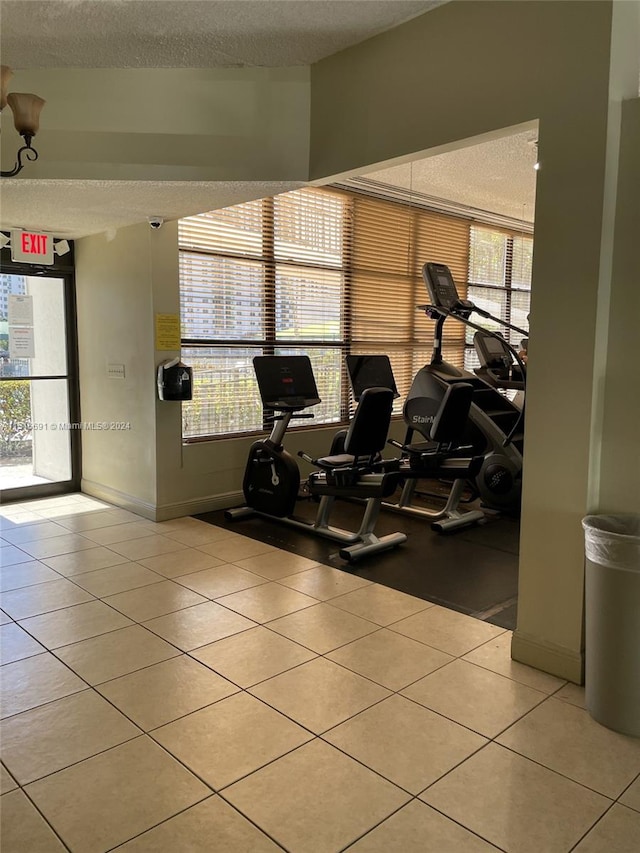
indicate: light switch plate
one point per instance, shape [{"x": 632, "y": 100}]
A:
[{"x": 115, "y": 371}]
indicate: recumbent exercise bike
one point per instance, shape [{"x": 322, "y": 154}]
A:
[
  {"x": 272, "y": 478},
  {"x": 443, "y": 456}
]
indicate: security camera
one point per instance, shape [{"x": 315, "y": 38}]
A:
[{"x": 156, "y": 222}]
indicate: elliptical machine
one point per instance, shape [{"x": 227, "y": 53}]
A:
[
  {"x": 495, "y": 425},
  {"x": 272, "y": 478}
]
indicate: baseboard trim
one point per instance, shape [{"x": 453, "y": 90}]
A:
[
  {"x": 161, "y": 512},
  {"x": 165, "y": 512},
  {"x": 120, "y": 499},
  {"x": 556, "y": 660}
]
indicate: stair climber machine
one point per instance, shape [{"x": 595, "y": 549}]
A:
[
  {"x": 442, "y": 457},
  {"x": 272, "y": 478},
  {"x": 495, "y": 425}
]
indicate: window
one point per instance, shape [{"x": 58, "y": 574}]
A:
[
  {"x": 324, "y": 272},
  {"x": 500, "y": 282},
  {"x": 261, "y": 278}
]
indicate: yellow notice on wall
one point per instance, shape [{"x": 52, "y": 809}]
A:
[{"x": 167, "y": 332}]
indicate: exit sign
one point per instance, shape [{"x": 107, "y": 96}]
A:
[{"x": 30, "y": 247}]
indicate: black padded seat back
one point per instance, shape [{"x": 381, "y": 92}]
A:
[
  {"x": 368, "y": 429},
  {"x": 451, "y": 418}
]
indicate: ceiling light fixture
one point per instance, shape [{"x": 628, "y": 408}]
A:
[
  {"x": 62, "y": 247},
  {"x": 26, "y": 118}
]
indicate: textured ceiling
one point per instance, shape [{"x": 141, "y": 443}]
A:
[
  {"x": 494, "y": 176},
  {"x": 75, "y": 209},
  {"x": 191, "y": 33}
]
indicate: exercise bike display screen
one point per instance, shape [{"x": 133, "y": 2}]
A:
[
  {"x": 286, "y": 381},
  {"x": 370, "y": 371}
]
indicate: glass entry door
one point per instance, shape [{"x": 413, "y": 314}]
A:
[{"x": 38, "y": 408}]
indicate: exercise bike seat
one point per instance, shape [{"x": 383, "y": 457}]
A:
[
  {"x": 440, "y": 457},
  {"x": 353, "y": 473},
  {"x": 340, "y": 460},
  {"x": 352, "y": 483},
  {"x": 367, "y": 432}
]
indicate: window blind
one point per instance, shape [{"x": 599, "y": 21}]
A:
[
  {"x": 326, "y": 272},
  {"x": 391, "y": 243}
]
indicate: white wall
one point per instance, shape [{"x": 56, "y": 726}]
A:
[
  {"x": 122, "y": 284},
  {"x": 146, "y": 124},
  {"x": 619, "y": 487},
  {"x": 115, "y": 326}
]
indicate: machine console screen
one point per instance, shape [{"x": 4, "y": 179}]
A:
[
  {"x": 440, "y": 284},
  {"x": 286, "y": 381},
  {"x": 494, "y": 346},
  {"x": 370, "y": 371}
]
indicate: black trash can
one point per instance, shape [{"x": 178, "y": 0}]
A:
[{"x": 612, "y": 621}]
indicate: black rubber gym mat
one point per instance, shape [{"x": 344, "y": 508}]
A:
[{"x": 474, "y": 571}]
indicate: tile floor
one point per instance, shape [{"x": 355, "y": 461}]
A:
[{"x": 179, "y": 687}]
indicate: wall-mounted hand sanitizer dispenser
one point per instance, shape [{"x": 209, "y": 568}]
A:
[{"x": 175, "y": 381}]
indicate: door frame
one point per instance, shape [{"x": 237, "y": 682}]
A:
[{"x": 62, "y": 268}]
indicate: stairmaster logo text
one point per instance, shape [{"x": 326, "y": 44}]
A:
[{"x": 422, "y": 419}]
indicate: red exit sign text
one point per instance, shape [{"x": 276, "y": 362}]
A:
[{"x": 30, "y": 247}]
